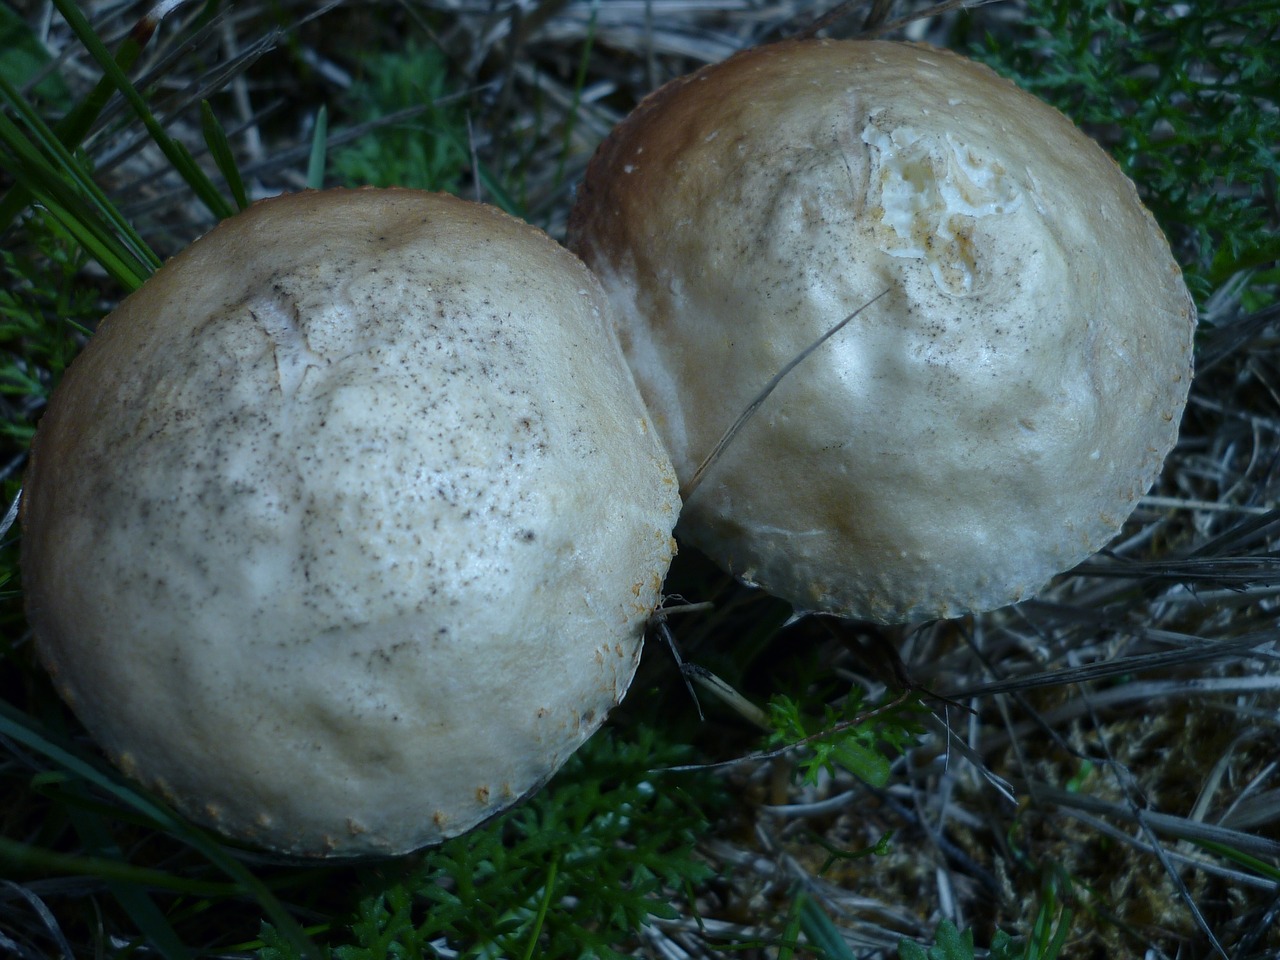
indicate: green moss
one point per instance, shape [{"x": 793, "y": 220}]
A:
[
  {"x": 575, "y": 872},
  {"x": 1182, "y": 95},
  {"x": 420, "y": 136}
]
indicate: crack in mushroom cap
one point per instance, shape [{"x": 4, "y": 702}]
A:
[
  {"x": 988, "y": 423},
  {"x": 343, "y": 530}
]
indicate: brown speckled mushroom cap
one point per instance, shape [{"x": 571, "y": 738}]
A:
[
  {"x": 343, "y": 530},
  {"x": 989, "y": 422}
]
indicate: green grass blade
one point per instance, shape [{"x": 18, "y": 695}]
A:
[
  {"x": 579, "y": 84},
  {"x": 73, "y": 127},
  {"x": 532, "y": 946},
  {"x": 319, "y": 146},
  {"x": 71, "y": 210},
  {"x": 21, "y": 729},
  {"x": 791, "y": 930},
  {"x": 220, "y": 150},
  {"x": 16, "y": 855},
  {"x": 498, "y": 194},
  {"x": 154, "y": 929},
  {"x": 178, "y": 156},
  {"x": 1053, "y": 950},
  {"x": 1261, "y": 867},
  {"x": 46, "y": 169},
  {"x": 820, "y": 931}
]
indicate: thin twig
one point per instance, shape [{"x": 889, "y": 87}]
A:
[{"x": 687, "y": 489}]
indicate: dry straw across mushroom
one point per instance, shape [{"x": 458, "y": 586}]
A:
[
  {"x": 988, "y": 422},
  {"x": 343, "y": 530}
]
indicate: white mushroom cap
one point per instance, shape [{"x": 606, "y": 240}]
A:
[
  {"x": 988, "y": 423},
  {"x": 343, "y": 530}
]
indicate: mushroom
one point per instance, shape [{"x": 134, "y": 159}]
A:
[
  {"x": 343, "y": 530},
  {"x": 989, "y": 421}
]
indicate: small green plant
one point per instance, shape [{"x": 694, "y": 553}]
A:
[
  {"x": 948, "y": 944},
  {"x": 1178, "y": 94},
  {"x": 426, "y": 146},
  {"x": 1051, "y": 925},
  {"x": 850, "y": 736},
  {"x": 44, "y": 303},
  {"x": 572, "y": 873},
  {"x": 820, "y": 933}
]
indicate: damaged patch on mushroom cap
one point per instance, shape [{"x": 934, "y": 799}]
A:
[
  {"x": 989, "y": 422},
  {"x": 343, "y": 530}
]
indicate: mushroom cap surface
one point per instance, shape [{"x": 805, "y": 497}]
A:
[
  {"x": 989, "y": 422},
  {"x": 343, "y": 530}
]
